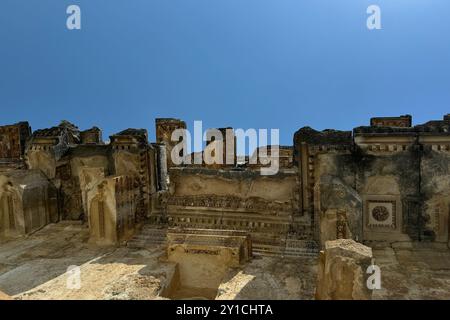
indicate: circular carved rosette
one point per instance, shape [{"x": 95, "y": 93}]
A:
[{"x": 380, "y": 213}]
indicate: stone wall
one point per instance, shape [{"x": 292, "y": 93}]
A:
[
  {"x": 267, "y": 206},
  {"x": 384, "y": 182},
  {"x": 398, "y": 172},
  {"x": 342, "y": 271},
  {"x": 205, "y": 256},
  {"x": 112, "y": 205},
  {"x": 69, "y": 175},
  {"x": 13, "y": 139},
  {"x": 28, "y": 202}
]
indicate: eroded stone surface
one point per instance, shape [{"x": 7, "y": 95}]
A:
[
  {"x": 36, "y": 269},
  {"x": 342, "y": 271},
  {"x": 271, "y": 278},
  {"x": 413, "y": 273}
]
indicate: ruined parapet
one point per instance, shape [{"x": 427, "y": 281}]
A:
[
  {"x": 112, "y": 205},
  {"x": 47, "y": 146},
  {"x": 378, "y": 139},
  {"x": 388, "y": 135},
  {"x": 12, "y": 140},
  {"x": 404, "y": 121},
  {"x": 338, "y": 211},
  {"x": 342, "y": 271},
  {"x": 282, "y": 156},
  {"x": 28, "y": 202},
  {"x": 91, "y": 136},
  {"x": 129, "y": 141},
  {"x": 164, "y": 129}
]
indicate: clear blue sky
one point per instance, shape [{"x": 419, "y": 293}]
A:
[{"x": 242, "y": 63}]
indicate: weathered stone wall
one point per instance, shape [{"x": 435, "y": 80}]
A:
[
  {"x": 205, "y": 256},
  {"x": 91, "y": 136},
  {"x": 267, "y": 206},
  {"x": 338, "y": 210},
  {"x": 318, "y": 154},
  {"x": 435, "y": 188},
  {"x": 28, "y": 202},
  {"x": 68, "y": 175},
  {"x": 133, "y": 156},
  {"x": 402, "y": 177},
  {"x": 112, "y": 209},
  {"x": 385, "y": 181},
  {"x": 13, "y": 139},
  {"x": 399, "y": 172},
  {"x": 342, "y": 271}
]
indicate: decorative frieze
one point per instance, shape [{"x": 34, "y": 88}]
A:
[{"x": 230, "y": 202}]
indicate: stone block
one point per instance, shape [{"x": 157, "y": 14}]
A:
[{"x": 342, "y": 271}]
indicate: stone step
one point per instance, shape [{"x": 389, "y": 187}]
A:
[
  {"x": 153, "y": 236},
  {"x": 148, "y": 237},
  {"x": 292, "y": 248}
]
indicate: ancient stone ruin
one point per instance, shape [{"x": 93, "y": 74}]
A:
[
  {"x": 386, "y": 185},
  {"x": 342, "y": 271}
]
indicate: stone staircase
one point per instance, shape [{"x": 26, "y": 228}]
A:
[
  {"x": 290, "y": 248},
  {"x": 150, "y": 236}
]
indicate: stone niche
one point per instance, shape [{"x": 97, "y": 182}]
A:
[
  {"x": 382, "y": 218},
  {"x": 203, "y": 258},
  {"x": 28, "y": 202},
  {"x": 112, "y": 207}
]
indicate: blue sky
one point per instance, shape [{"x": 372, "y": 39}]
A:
[{"x": 241, "y": 63}]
